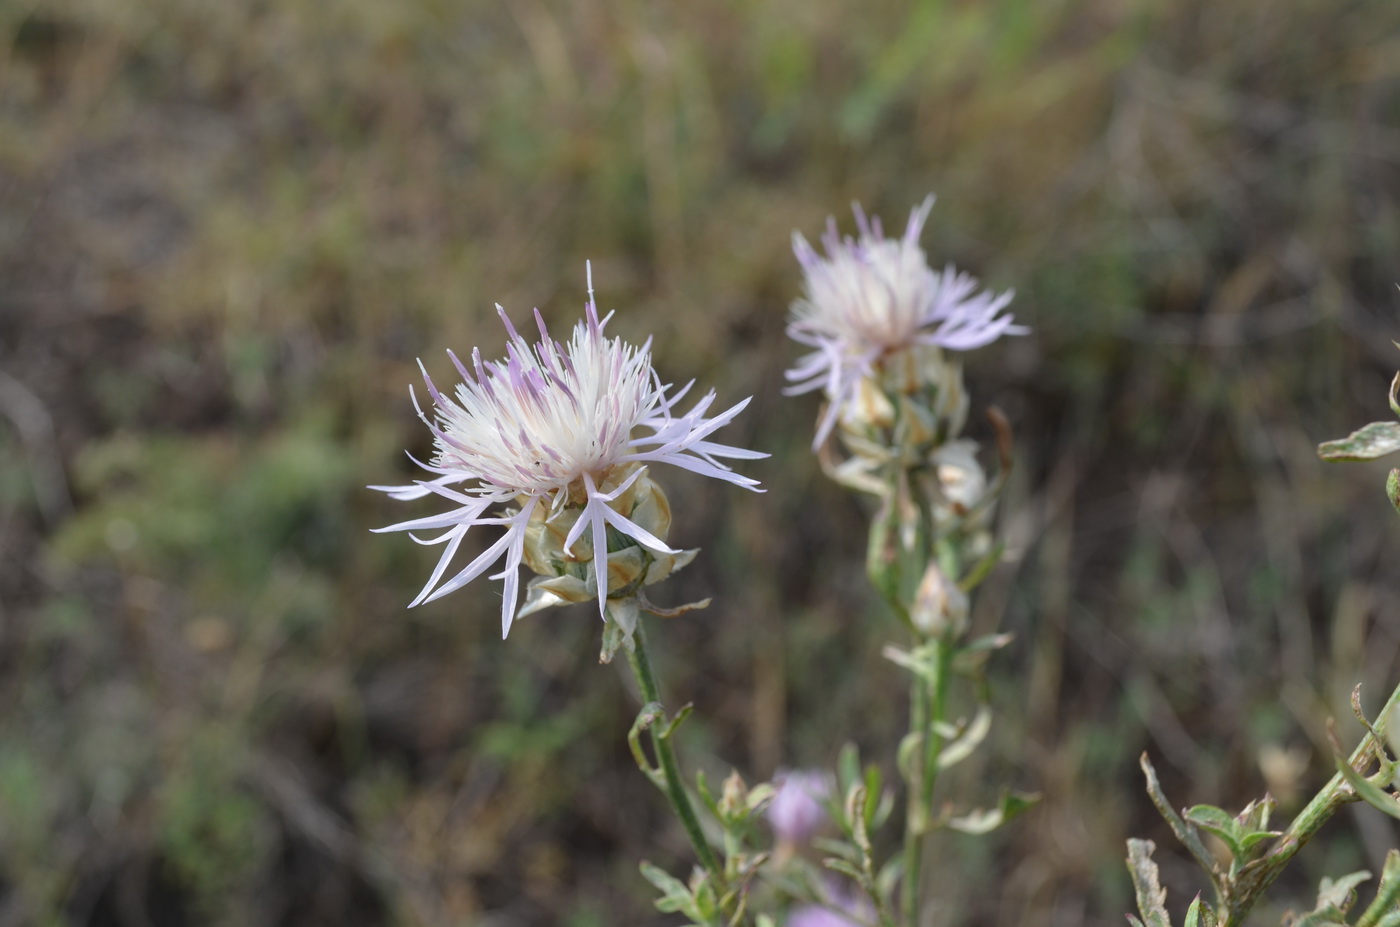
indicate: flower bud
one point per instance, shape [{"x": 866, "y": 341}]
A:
[
  {"x": 566, "y": 574},
  {"x": 909, "y": 404},
  {"x": 733, "y": 801},
  {"x": 961, "y": 481},
  {"x": 940, "y": 607}
]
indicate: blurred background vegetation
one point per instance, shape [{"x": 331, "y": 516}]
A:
[{"x": 228, "y": 229}]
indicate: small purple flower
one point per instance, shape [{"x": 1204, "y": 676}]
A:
[
  {"x": 554, "y": 427},
  {"x": 796, "y": 811},
  {"x": 872, "y": 297}
]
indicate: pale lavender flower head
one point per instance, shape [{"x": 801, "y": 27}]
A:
[
  {"x": 873, "y": 297},
  {"x": 796, "y": 811},
  {"x": 550, "y": 428},
  {"x": 811, "y": 915},
  {"x": 846, "y": 910}
]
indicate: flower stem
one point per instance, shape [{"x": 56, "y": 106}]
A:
[
  {"x": 1244, "y": 893},
  {"x": 928, "y": 705},
  {"x": 670, "y": 769}
]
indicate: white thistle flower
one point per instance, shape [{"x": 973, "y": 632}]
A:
[
  {"x": 551, "y": 428},
  {"x": 873, "y": 297}
]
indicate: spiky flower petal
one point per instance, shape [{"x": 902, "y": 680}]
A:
[
  {"x": 872, "y": 298},
  {"x": 554, "y": 429}
]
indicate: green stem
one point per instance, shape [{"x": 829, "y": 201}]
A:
[
  {"x": 670, "y": 769},
  {"x": 928, "y": 706},
  {"x": 915, "y": 815},
  {"x": 1243, "y": 894}
]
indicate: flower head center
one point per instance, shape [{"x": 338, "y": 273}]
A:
[{"x": 548, "y": 414}]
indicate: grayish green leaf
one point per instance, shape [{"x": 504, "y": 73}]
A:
[
  {"x": 1366, "y": 443},
  {"x": 1151, "y": 896},
  {"x": 1340, "y": 893},
  {"x": 985, "y": 820},
  {"x": 971, "y": 738}
]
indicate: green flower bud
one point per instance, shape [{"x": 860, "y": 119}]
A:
[
  {"x": 911, "y": 404},
  {"x": 940, "y": 607}
]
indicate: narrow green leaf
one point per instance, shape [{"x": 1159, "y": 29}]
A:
[
  {"x": 845, "y": 868},
  {"x": 838, "y": 848},
  {"x": 989, "y": 642},
  {"x": 970, "y": 658},
  {"x": 1211, "y": 817},
  {"x": 1366, "y": 443},
  {"x": 983, "y": 567},
  {"x": 651, "y": 713},
  {"x": 759, "y": 796},
  {"x": 1200, "y": 914},
  {"x": 971, "y": 738},
  {"x": 985, "y": 820},
  {"x": 1252, "y": 839},
  {"x": 1387, "y": 900},
  {"x": 1220, "y": 823},
  {"x": 1370, "y": 793},
  {"x": 702, "y": 788},
  {"x": 1255, "y": 816},
  {"x": 889, "y": 875},
  {"x": 675, "y": 722},
  {"x": 918, "y": 662},
  {"x": 707, "y": 907},
  {"x": 882, "y": 810},
  {"x": 872, "y": 794},
  {"x": 666, "y": 883},
  {"x": 848, "y": 766}
]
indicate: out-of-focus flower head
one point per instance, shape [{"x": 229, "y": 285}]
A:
[
  {"x": 873, "y": 298},
  {"x": 557, "y": 440},
  {"x": 811, "y": 915},
  {"x": 846, "y": 910},
  {"x": 796, "y": 810}
]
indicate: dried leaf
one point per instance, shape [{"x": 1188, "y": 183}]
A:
[{"x": 1151, "y": 896}]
